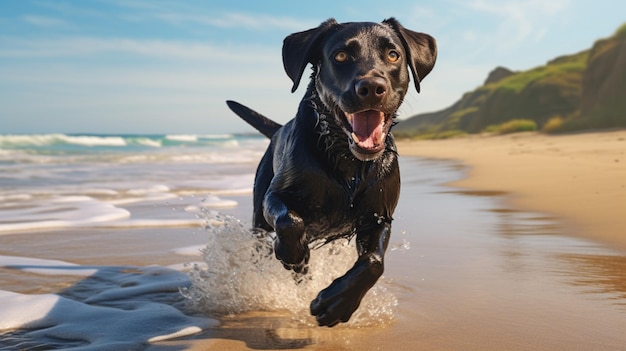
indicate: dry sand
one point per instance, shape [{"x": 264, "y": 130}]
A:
[{"x": 578, "y": 177}]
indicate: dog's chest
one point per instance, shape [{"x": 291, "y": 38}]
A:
[{"x": 337, "y": 205}]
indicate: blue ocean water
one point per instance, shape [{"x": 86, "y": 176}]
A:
[{"x": 52, "y": 181}]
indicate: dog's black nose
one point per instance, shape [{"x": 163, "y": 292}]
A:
[{"x": 371, "y": 89}]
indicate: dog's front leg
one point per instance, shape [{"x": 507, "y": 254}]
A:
[
  {"x": 291, "y": 246},
  {"x": 342, "y": 297}
]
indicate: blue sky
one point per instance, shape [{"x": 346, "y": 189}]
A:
[{"x": 131, "y": 66}]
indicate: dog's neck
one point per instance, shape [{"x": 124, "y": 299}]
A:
[{"x": 331, "y": 138}]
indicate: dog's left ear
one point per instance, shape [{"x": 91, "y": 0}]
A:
[
  {"x": 300, "y": 48},
  {"x": 420, "y": 47}
]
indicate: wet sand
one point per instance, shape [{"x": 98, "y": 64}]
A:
[
  {"x": 579, "y": 177},
  {"x": 470, "y": 271}
]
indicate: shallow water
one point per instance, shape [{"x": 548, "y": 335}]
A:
[
  {"x": 57, "y": 181},
  {"x": 464, "y": 271}
]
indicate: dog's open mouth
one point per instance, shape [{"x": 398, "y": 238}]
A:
[{"x": 368, "y": 131}]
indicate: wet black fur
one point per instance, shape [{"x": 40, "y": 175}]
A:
[{"x": 309, "y": 186}]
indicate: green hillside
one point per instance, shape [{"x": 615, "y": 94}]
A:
[{"x": 573, "y": 92}]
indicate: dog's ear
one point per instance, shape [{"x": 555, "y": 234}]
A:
[
  {"x": 420, "y": 47},
  {"x": 301, "y": 48}
]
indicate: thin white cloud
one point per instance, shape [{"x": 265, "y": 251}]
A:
[
  {"x": 178, "y": 13},
  {"x": 44, "y": 21},
  {"x": 90, "y": 46},
  {"x": 71, "y": 9},
  {"x": 495, "y": 33},
  {"x": 520, "y": 20},
  {"x": 256, "y": 21},
  {"x": 166, "y": 78},
  {"x": 236, "y": 20}
]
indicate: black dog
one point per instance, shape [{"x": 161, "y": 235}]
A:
[{"x": 332, "y": 171}]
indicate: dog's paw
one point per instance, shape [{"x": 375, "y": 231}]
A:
[
  {"x": 294, "y": 258},
  {"x": 290, "y": 245},
  {"x": 335, "y": 305}
]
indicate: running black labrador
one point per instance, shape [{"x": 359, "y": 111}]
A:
[{"x": 332, "y": 171}]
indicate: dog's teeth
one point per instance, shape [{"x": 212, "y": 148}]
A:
[
  {"x": 355, "y": 137},
  {"x": 349, "y": 117}
]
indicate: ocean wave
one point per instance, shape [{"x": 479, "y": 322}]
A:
[
  {"x": 196, "y": 137},
  {"x": 58, "y": 212},
  {"x": 182, "y": 137},
  {"x": 105, "y": 208},
  {"x": 94, "y": 140},
  {"x": 145, "y": 141},
  {"x": 65, "y": 141},
  {"x": 15, "y": 140},
  {"x": 221, "y": 140},
  {"x": 48, "y": 186}
]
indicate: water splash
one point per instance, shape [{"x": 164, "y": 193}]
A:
[{"x": 242, "y": 275}]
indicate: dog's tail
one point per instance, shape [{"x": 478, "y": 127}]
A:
[{"x": 263, "y": 124}]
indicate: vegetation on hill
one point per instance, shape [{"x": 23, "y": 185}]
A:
[{"x": 573, "y": 92}]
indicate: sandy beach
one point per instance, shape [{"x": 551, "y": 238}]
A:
[
  {"x": 580, "y": 177},
  {"x": 498, "y": 243}
]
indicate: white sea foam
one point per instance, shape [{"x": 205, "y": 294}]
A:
[
  {"x": 194, "y": 250},
  {"x": 223, "y": 139},
  {"x": 118, "y": 308},
  {"x": 182, "y": 137},
  {"x": 241, "y": 274},
  {"x": 147, "y": 142},
  {"x": 93, "y": 327},
  {"x": 14, "y": 197},
  {"x": 20, "y": 214},
  {"x": 151, "y": 223},
  {"x": 100, "y": 191},
  {"x": 59, "y": 212},
  {"x": 94, "y": 140},
  {"x": 24, "y": 141},
  {"x": 219, "y": 203},
  {"x": 216, "y": 136},
  {"x": 12, "y": 140},
  {"x": 46, "y": 267},
  {"x": 187, "y": 266},
  {"x": 49, "y": 139},
  {"x": 241, "y": 191},
  {"x": 18, "y": 310},
  {"x": 148, "y": 197},
  {"x": 21, "y": 157},
  {"x": 54, "y": 181},
  {"x": 231, "y": 184},
  {"x": 158, "y": 188}
]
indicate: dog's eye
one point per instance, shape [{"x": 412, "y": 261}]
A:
[
  {"x": 341, "y": 56},
  {"x": 393, "y": 56}
]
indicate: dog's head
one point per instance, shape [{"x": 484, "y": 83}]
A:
[{"x": 361, "y": 74}]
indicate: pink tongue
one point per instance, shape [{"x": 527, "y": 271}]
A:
[{"x": 368, "y": 127}]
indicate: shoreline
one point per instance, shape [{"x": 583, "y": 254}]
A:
[
  {"x": 580, "y": 178},
  {"x": 452, "y": 258}
]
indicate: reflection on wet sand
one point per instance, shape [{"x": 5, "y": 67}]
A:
[
  {"x": 582, "y": 263},
  {"x": 474, "y": 192},
  {"x": 265, "y": 330},
  {"x": 603, "y": 276},
  {"x": 513, "y": 223}
]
